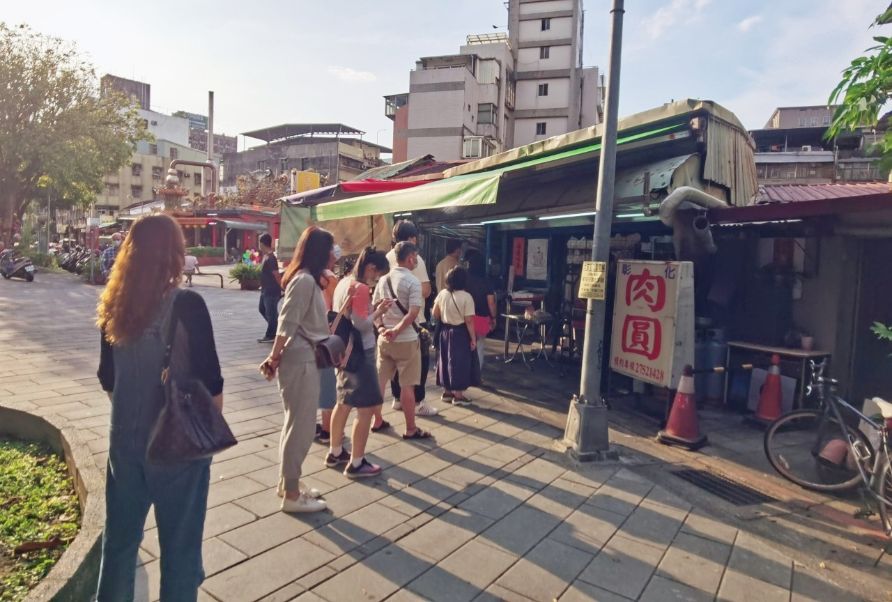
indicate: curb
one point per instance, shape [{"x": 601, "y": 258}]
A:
[{"x": 74, "y": 576}]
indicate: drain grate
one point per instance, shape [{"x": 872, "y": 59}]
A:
[{"x": 735, "y": 493}]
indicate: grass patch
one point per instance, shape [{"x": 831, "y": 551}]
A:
[{"x": 38, "y": 509}]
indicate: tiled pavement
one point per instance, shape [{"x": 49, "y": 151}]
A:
[{"x": 486, "y": 511}]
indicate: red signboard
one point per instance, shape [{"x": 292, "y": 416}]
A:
[{"x": 518, "y": 256}]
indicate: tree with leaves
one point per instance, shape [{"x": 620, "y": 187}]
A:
[
  {"x": 58, "y": 136},
  {"x": 865, "y": 89},
  {"x": 863, "y": 92}
]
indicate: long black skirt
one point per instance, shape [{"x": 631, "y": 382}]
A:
[{"x": 454, "y": 363}]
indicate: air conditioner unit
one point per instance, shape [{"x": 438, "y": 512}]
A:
[{"x": 806, "y": 148}]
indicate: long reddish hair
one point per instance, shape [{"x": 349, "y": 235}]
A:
[
  {"x": 312, "y": 254},
  {"x": 149, "y": 264}
]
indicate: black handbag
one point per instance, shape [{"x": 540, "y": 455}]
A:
[
  {"x": 189, "y": 427},
  {"x": 354, "y": 356}
]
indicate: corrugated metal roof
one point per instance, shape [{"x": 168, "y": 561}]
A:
[{"x": 793, "y": 193}]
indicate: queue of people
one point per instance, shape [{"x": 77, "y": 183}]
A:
[{"x": 376, "y": 310}]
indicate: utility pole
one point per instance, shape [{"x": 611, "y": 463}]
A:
[{"x": 586, "y": 431}]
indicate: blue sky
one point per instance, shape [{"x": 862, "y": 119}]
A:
[{"x": 276, "y": 61}]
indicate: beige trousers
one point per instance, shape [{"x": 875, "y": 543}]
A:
[{"x": 299, "y": 387}]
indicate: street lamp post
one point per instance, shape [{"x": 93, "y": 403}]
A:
[{"x": 587, "y": 433}]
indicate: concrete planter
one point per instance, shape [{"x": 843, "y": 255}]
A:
[{"x": 75, "y": 575}]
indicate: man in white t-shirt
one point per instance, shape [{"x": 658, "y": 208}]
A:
[
  {"x": 406, "y": 231},
  {"x": 190, "y": 267}
]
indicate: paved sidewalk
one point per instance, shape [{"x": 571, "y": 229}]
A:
[{"x": 485, "y": 511}]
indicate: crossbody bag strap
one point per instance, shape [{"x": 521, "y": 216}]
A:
[
  {"x": 401, "y": 307},
  {"x": 170, "y": 332},
  {"x": 472, "y": 334}
]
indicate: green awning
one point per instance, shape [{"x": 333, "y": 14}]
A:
[
  {"x": 460, "y": 191},
  {"x": 589, "y": 148}
]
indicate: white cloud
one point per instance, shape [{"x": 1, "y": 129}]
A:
[
  {"x": 791, "y": 69},
  {"x": 677, "y": 12},
  {"x": 346, "y": 74},
  {"x": 749, "y": 23}
]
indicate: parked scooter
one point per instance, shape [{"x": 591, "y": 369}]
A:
[{"x": 13, "y": 265}]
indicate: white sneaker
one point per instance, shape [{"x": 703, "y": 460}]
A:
[
  {"x": 422, "y": 409},
  {"x": 310, "y": 491},
  {"x": 396, "y": 405},
  {"x": 304, "y": 503}
]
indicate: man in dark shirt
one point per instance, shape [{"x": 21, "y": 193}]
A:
[{"x": 270, "y": 288}]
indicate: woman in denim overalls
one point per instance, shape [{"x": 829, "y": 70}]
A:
[{"x": 141, "y": 296}]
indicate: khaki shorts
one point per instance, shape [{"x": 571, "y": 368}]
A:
[{"x": 401, "y": 357}]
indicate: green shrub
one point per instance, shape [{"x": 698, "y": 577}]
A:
[
  {"x": 97, "y": 277},
  {"x": 205, "y": 251},
  {"x": 44, "y": 260},
  {"x": 245, "y": 271}
]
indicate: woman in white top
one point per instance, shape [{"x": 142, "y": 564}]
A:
[
  {"x": 358, "y": 387},
  {"x": 454, "y": 309},
  {"x": 302, "y": 323}
]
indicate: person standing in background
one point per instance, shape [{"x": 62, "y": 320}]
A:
[
  {"x": 454, "y": 308},
  {"x": 482, "y": 291},
  {"x": 359, "y": 387},
  {"x": 302, "y": 324},
  {"x": 134, "y": 313},
  {"x": 453, "y": 255},
  {"x": 107, "y": 259},
  {"x": 190, "y": 268},
  {"x": 406, "y": 231},
  {"x": 270, "y": 288},
  {"x": 398, "y": 349}
]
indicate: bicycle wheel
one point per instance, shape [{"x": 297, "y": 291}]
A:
[
  {"x": 807, "y": 447},
  {"x": 884, "y": 487}
]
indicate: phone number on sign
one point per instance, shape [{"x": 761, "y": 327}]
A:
[{"x": 643, "y": 370}]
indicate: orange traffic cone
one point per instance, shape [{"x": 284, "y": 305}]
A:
[
  {"x": 683, "y": 427},
  {"x": 769, "y": 408}
]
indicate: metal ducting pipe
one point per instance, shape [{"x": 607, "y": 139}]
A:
[{"x": 690, "y": 232}]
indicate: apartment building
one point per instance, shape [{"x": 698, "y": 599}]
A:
[
  {"x": 555, "y": 94},
  {"x": 793, "y": 148},
  {"x": 140, "y": 92},
  {"x": 502, "y": 90},
  {"x": 198, "y": 135},
  {"x": 137, "y": 182}
]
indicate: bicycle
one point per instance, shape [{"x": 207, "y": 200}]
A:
[{"x": 820, "y": 450}]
